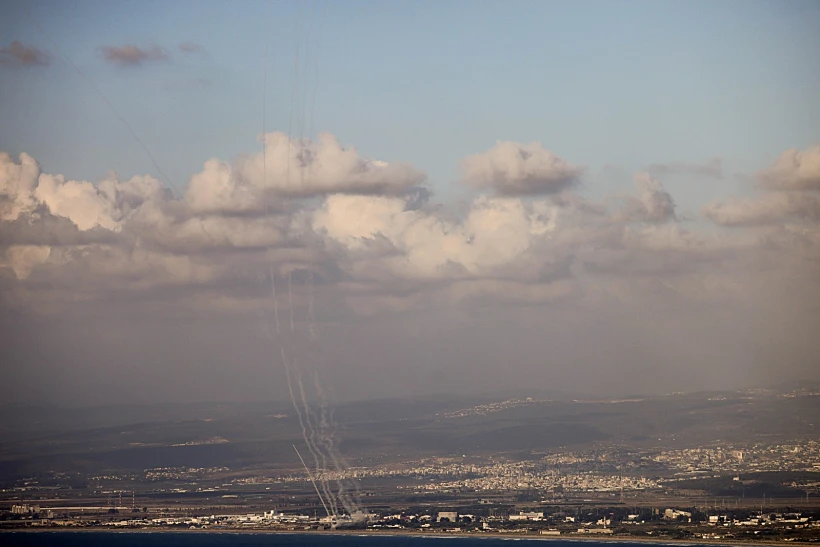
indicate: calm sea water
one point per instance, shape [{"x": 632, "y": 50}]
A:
[{"x": 214, "y": 539}]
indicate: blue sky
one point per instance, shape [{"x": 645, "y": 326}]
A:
[{"x": 610, "y": 86}]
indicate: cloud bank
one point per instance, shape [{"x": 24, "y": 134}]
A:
[
  {"x": 531, "y": 260},
  {"x": 791, "y": 195}
]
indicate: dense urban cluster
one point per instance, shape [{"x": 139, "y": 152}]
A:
[
  {"x": 600, "y": 470},
  {"x": 804, "y": 456},
  {"x": 605, "y": 490},
  {"x": 604, "y": 469}
]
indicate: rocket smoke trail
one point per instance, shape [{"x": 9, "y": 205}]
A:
[{"x": 317, "y": 426}]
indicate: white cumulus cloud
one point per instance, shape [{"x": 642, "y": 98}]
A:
[
  {"x": 17, "y": 184},
  {"x": 515, "y": 169},
  {"x": 653, "y": 204},
  {"x": 794, "y": 170},
  {"x": 294, "y": 168},
  {"x": 389, "y": 239}
]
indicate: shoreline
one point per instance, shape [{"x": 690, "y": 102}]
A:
[{"x": 395, "y": 533}]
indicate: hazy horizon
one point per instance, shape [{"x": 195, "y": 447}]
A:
[
  {"x": 574, "y": 197},
  {"x": 562, "y": 396}
]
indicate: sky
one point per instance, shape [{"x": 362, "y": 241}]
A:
[{"x": 445, "y": 197}]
